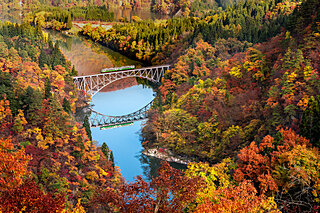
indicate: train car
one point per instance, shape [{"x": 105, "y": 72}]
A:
[{"x": 117, "y": 68}]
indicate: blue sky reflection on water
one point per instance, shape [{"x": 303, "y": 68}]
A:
[{"x": 125, "y": 141}]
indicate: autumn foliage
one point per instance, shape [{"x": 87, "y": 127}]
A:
[
  {"x": 30, "y": 198},
  {"x": 171, "y": 191},
  {"x": 246, "y": 113},
  {"x": 47, "y": 161},
  {"x": 242, "y": 198},
  {"x": 252, "y": 105},
  {"x": 13, "y": 165},
  {"x": 283, "y": 166}
]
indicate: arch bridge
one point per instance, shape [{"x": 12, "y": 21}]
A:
[{"x": 92, "y": 84}]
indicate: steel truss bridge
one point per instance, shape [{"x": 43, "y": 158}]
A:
[
  {"x": 92, "y": 84},
  {"x": 100, "y": 120}
]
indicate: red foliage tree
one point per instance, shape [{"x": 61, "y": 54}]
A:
[
  {"x": 169, "y": 192},
  {"x": 28, "y": 197}
]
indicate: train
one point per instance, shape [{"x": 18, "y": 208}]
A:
[{"x": 117, "y": 68}]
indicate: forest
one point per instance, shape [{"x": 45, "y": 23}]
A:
[
  {"x": 226, "y": 99},
  {"x": 48, "y": 161},
  {"x": 186, "y": 7},
  {"x": 61, "y": 19},
  {"x": 248, "y": 22},
  {"x": 242, "y": 101},
  {"x": 36, "y": 4}
]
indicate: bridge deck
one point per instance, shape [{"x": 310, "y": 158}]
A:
[
  {"x": 122, "y": 71},
  {"x": 92, "y": 84}
]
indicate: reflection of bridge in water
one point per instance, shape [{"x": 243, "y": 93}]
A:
[
  {"x": 99, "y": 120},
  {"x": 92, "y": 84}
]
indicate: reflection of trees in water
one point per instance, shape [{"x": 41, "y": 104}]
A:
[
  {"x": 150, "y": 166},
  {"x": 14, "y": 16},
  {"x": 147, "y": 84},
  {"x": 83, "y": 46},
  {"x": 143, "y": 13},
  {"x": 65, "y": 41},
  {"x": 66, "y": 44},
  {"x": 87, "y": 56},
  {"x": 116, "y": 58}
]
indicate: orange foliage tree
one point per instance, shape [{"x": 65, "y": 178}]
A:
[
  {"x": 285, "y": 166},
  {"x": 242, "y": 198},
  {"x": 13, "y": 165}
]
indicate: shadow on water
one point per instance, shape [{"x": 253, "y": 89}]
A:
[{"x": 150, "y": 166}]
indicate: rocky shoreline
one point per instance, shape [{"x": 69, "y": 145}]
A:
[{"x": 165, "y": 154}]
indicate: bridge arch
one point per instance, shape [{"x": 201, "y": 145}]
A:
[
  {"x": 98, "y": 88},
  {"x": 92, "y": 84}
]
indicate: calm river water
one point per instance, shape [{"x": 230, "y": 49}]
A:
[{"x": 90, "y": 58}]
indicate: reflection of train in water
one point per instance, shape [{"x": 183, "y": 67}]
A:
[
  {"x": 116, "y": 125},
  {"x": 118, "y": 68}
]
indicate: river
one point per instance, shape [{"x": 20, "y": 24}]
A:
[
  {"x": 122, "y": 97},
  {"x": 119, "y": 98}
]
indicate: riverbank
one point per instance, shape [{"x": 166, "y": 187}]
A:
[
  {"x": 165, "y": 154},
  {"x": 106, "y": 25}
]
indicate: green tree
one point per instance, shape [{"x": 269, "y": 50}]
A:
[
  {"x": 42, "y": 58},
  {"x": 111, "y": 158},
  {"x": 27, "y": 99},
  {"x": 86, "y": 125},
  {"x": 50, "y": 43},
  {"x": 69, "y": 22},
  {"x": 66, "y": 105},
  {"x": 57, "y": 56},
  {"x": 105, "y": 150},
  {"x": 74, "y": 71},
  {"x": 7, "y": 90},
  {"x": 31, "y": 102},
  {"x": 47, "y": 89},
  {"x": 310, "y": 123}
]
